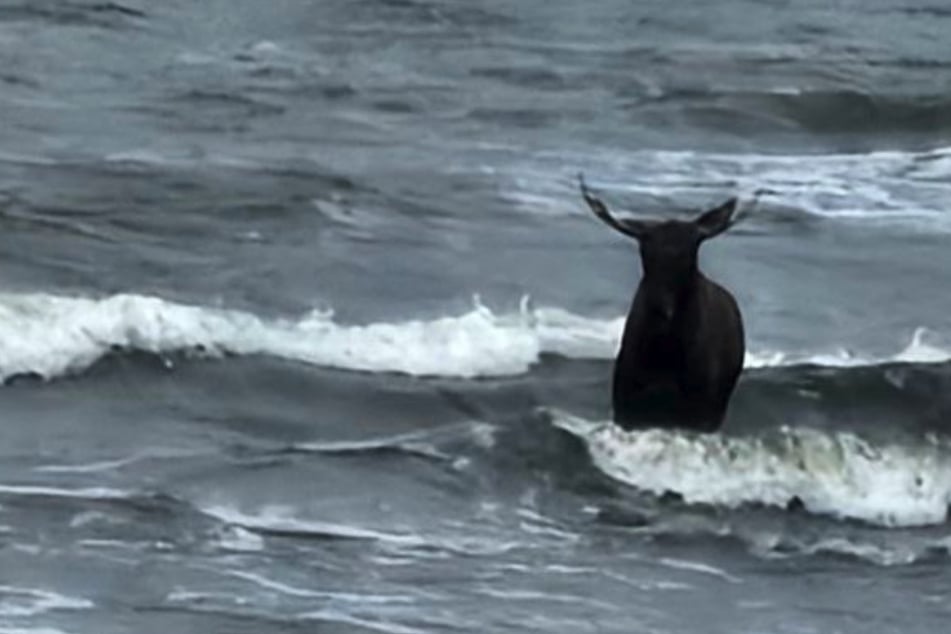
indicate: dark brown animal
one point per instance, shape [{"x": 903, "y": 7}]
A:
[{"x": 683, "y": 344}]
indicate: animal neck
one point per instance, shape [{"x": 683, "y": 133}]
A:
[{"x": 668, "y": 299}]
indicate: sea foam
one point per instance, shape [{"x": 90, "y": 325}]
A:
[
  {"x": 50, "y": 336},
  {"x": 837, "y": 474}
]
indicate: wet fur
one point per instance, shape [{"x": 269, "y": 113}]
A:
[{"x": 683, "y": 344}]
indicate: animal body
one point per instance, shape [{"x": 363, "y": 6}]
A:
[{"x": 683, "y": 344}]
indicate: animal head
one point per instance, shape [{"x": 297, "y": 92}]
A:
[{"x": 668, "y": 247}]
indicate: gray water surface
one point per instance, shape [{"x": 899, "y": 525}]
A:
[{"x": 249, "y": 388}]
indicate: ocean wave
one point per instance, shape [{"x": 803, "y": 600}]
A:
[
  {"x": 900, "y": 553},
  {"x": 836, "y": 111},
  {"x": 50, "y": 336},
  {"x": 882, "y": 187},
  {"x": 836, "y": 474},
  {"x": 777, "y": 534}
]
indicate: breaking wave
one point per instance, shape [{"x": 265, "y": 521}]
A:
[
  {"x": 836, "y": 474},
  {"x": 49, "y": 336},
  {"x": 902, "y": 188}
]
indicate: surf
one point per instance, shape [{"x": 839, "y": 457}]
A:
[
  {"x": 50, "y": 336},
  {"x": 838, "y": 474}
]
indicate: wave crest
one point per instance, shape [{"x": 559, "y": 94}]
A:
[
  {"x": 837, "y": 474},
  {"x": 49, "y": 336}
]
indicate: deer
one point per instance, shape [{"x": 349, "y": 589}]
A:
[{"x": 682, "y": 347}]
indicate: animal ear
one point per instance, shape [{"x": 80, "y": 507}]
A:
[
  {"x": 716, "y": 220},
  {"x": 633, "y": 228}
]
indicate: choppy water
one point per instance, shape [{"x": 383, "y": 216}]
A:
[{"x": 303, "y": 326}]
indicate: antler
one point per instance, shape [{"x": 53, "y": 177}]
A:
[{"x": 628, "y": 228}]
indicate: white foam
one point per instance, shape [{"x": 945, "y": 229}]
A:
[
  {"x": 880, "y": 548},
  {"x": 421, "y": 442},
  {"x": 117, "y": 463},
  {"x": 281, "y": 519},
  {"x": 145, "y": 156},
  {"x": 908, "y": 188},
  {"x": 276, "y": 586},
  {"x": 836, "y": 474},
  {"x": 918, "y": 350},
  {"x": 50, "y": 336},
  {"x": 93, "y": 493},
  {"x": 91, "y": 467},
  {"x": 187, "y": 596},
  {"x": 87, "y": 518},
  {"x": 698, "y": 567},
  {"x": 895, "y": 555},
  {"x": 240, "y": 540},
  {"x": 29, "y": 602},
  {"x": 278, "y": 519},
  {"x": 339, "y": 616}
]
